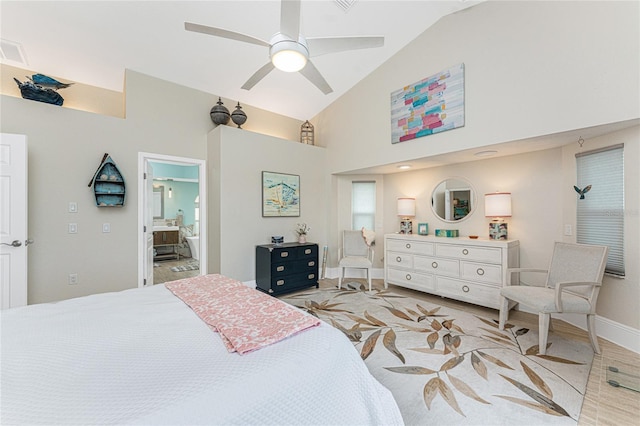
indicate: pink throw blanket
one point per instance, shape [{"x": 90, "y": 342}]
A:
[{"x": 245, "y": 318}]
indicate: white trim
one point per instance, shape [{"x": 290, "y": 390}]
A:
[{"x": 147, "y": 156}]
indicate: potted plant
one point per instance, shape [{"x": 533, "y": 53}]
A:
[{"x": 302, "y": 229}]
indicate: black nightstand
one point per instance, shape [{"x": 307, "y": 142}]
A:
[{"x": 286, "y": 267}]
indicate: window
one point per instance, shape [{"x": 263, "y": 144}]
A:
[
  {"x": 363, "y": 205},
  {"x": 601, "y": 213}
]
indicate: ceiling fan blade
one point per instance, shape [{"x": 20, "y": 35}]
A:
[
  {"x": 312, "y": 74},
  {"x": 323, "y": 45},
  {"x": 290, "y": 18},
  {"x": 258, "y": 75},
  {"x": 219, "y": 32}
]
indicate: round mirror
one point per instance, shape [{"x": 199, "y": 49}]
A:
[{"x": 453, "y": 199}]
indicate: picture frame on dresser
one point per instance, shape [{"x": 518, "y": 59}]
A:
[{"x": 280, "y": 194}]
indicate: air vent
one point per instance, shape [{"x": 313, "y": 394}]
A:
[
  {"x": 12, "y": 51},
  {"x": 345, "y": 5}
]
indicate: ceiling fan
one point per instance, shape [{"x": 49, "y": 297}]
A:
[{"x": 289, "y": 50}]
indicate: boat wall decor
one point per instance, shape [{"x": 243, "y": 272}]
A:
[
  {"x": 42, "y": 88},
  {"x": 108, "y": 184}
]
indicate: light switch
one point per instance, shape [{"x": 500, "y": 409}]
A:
[
  {"x": 73, "y": 207},
  {"x": 106, "y": 227},
  {"x": 73, "y": 228}
]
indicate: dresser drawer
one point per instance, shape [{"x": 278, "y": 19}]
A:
[
  {"x": 294, "y": 253},
  {"x": 279, "y": 269},
  {"x": 480, "y": 254},
  {"x": 410, "y": 279},
  {"x": 286, "y": 283},
  {"x": 409, "y": 246},
  {"x": 404, "y": 260},
  {"x": 436, "y": 265},
  {"x": 481, "y": 272},
  {"x": 478, "y": 294}
]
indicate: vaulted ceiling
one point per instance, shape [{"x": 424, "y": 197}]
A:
[{"x": 93, "y": 42}]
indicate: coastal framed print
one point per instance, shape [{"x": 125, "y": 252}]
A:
[{"x": 280, "y": 195}]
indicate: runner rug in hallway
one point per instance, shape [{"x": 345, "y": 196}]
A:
[{"x": 448, "y": 367}]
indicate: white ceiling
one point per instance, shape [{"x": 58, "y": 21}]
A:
[{"x": 93, "y": 42}]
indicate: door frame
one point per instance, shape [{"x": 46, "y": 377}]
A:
[{"x": 144, "y": 157}]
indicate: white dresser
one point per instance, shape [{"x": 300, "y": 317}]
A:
[{"x": 459, "y": 268}]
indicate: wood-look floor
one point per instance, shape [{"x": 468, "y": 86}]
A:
[
  {"x": 162, "y": 273},
  {"x": 603, "y": 403}
]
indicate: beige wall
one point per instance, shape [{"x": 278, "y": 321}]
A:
[
  {"x": 237, "y": 159},
  {"x": 65, "y": 147},
  {"x": 532, "y": 68}
]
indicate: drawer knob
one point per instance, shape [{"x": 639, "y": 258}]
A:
[
  {"x": 284, "y": 254},
  {"x": 408, "y": 245},
  {"x": 408, "y": 277},
  {"x": 307, "y": 251},
  {"x": 311, "y": 263},
  {"x": 480, "y": 271},
  {"x": 398, "y": 259},
  {"x": 465, "y": 252},
  {"x": 280, "y": 268},
  {"x": 280, "y": 282},
  {"x": 465, "y": 288},
  {"x": 434, "y": 265}
]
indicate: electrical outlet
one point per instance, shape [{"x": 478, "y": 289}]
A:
[
  {"x": 567, "y": 230},
  {"x": 73, "y": 228},
  {"x": 73, "y": 279}
]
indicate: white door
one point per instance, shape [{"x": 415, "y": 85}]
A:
[
  {"x": 148, "y": 223},
  {"x": 13, "y": 220}
]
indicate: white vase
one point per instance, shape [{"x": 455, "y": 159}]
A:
[{"x": 302, "y": 239}]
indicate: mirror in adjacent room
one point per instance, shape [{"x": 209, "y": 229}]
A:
[
  {"x": 158, "y": 202},
  {"x": 453, "y": 199}
]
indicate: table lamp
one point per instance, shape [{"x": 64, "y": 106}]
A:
[
  {"x": 497, "y": 205},
  {"x": 406, "y": 210}
]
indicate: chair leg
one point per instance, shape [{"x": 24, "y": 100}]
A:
[
  {"x": 543, "y": 331},
  {"x": 369, "y": 278},
  {"x": 504, "y": 312},
  {"x": 591, "y": 326},
  {"x": 340, "y": 278}
]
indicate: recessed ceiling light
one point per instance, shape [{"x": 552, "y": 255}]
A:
[
  {"x": 487, "y": 153},
  {"x": 404, "y": 166}
]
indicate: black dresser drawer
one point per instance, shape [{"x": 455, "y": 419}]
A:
[{"x": 286, "y": 267}]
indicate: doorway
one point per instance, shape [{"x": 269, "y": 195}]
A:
[{"x": 171, "y": 202}]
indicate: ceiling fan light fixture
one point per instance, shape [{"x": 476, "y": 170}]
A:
[{"x": 289, "y": 56}]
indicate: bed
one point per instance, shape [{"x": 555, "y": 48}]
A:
[{"x": 142, "y": 356}]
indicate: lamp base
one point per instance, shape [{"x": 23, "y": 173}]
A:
[
  {"x": 497, "y": 231},
  {"x": 406, "y": 226}
]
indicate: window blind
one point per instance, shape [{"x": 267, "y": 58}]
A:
[
  {"x": 600, "y": 215},
  {"x": 363, "y": 205}
]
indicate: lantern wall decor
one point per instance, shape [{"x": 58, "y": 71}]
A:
[{"x": 306, "y": 133}]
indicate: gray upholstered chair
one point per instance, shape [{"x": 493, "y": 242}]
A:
[
  {"x": 354, "y": 253},
  {"x": 572, "y": 285}
]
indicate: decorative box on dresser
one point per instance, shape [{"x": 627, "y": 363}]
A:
[
  {"x": 286, "y": 267},
  {"x": 461, "y": 268}
]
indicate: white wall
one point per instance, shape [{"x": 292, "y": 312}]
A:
[
  {"x": 532, "y": 68},
  {"x": 65, "y": 147},
  {"x": 237, "y": 159}
]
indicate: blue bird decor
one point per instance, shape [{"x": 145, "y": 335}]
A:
[
  {"x": 42, "y": 88},
  {"x": 582, "y": 191}
]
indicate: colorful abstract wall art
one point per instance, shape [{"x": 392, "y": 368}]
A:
[{"x": 431, "y": 105}]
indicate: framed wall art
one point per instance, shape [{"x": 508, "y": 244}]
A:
[
  {"x": 280, "y": 195},
  {"x": 431, "y": 105}
]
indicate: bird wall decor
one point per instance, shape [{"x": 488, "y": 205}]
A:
[
  {"x": 582, "y": 191},
  {"x": 42, "y": 88}
]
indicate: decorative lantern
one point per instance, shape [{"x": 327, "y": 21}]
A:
[
  {"x": 238, "y": 116},
  {"x": 219, "y": 113},
  {"x": 306, "y": 133}
]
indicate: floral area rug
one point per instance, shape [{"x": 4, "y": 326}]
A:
[{"x": 448, "y": 367}]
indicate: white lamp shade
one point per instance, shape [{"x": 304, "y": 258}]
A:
[
  {"x": 406, "y": 207},
  {"x": 497, "y": 204}
]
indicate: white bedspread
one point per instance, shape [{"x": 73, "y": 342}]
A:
[{"x": 143, "y": 357}]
